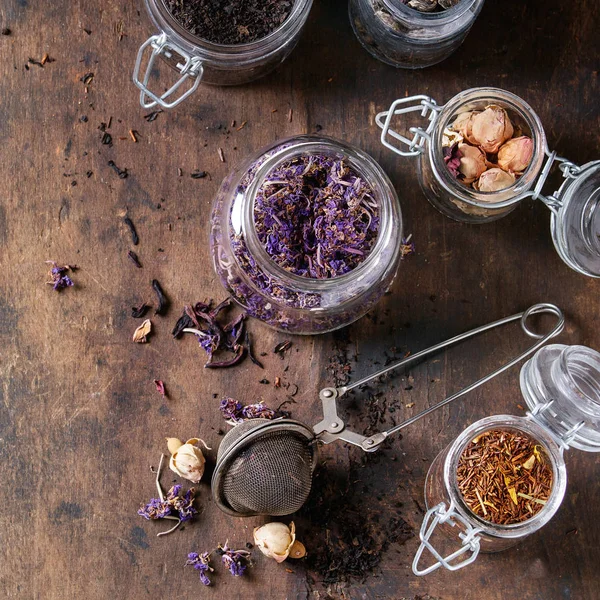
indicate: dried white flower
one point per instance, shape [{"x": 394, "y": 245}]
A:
[
  {"x": 278, "y": 541},
  {"x": 187, "y": 459}
]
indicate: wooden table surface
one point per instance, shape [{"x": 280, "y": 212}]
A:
[{"x": 80, "y": 421}]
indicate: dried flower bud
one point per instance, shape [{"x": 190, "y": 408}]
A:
[
  {"x": 472, "y": 162},
  {"x": 463, "y": 124},
  {"x": 187, "y": 459},
  {"x": 423, "y": 5},
  {"x": 491, "y": 128},
  {"x": 451, "y": 137},
  {"x": 278, "y": 541},
  {"x": 493, "y": 180},
  {"x": 140, "y": 334},
  {"x": 516, "y": 154}
]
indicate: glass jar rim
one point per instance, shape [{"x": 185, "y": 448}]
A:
[
  {"x": 401, "y": 10},
  {"x": 545, "y": 439},
  {"x": 300, "y": 145},
  {"x": 513, "y": 193},
  {"x": 212, "y": 50}
]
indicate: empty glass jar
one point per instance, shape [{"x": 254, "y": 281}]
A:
[
  {"x": 561, "y": 386},
  {"x": 196, "y": 60},
  {"x": 265, "y": 289},
  {"x": 575, "y": 206},
  {"x": 404, "y": 37}
]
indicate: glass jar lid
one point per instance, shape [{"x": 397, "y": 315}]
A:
[
  {"x": 576, "y": 219},
  {"x": 561, "y": 386}
]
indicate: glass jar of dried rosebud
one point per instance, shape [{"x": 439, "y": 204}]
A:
[
  {"x": 219, "y": 45},
  {"x": 504, "y": 477},
  {"x": 306, "y": 235},
  {"x": 484, "y": 152},
  {"x": 412, "y": 33}
]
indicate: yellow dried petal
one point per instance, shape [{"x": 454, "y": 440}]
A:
[
  {"x": 139, "y": 335},
  {"x": 297, "y": 550},
  {"x": 173, "y": 444},
  {"x": 528, "y": 464}
]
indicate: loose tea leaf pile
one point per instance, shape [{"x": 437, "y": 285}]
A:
[
  {"x": 504, "y": 476},
  {"x": 230, "y": 22},
  {"x": 316, "y": 216}
]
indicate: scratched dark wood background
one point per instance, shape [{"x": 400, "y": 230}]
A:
[{"x": 80, "y": 422}]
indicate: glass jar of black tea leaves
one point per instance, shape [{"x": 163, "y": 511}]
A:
[
  {"x": 306, "y": 235},
  {"x": 226, "y": 43}
]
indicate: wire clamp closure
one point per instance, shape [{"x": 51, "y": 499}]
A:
[
  {"x": 428, "y": 109},
  {"x": 190, "y": 68},
  {"x": 469, "y": 539}
]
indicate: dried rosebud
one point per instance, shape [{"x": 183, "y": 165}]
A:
[
  {"x": 451, "y": 137},
  {"x": 278, "y": 541},
  {"x": 463, "y": 124},
  {"x": 491, "y": 128},
  {"x": 493, "y": 180},
  {"x": 187, "y": 459},
  {"x": 141, "y": 333},
  {"x": 516, "y": 154},
  {"x": 472, "y": 162}
]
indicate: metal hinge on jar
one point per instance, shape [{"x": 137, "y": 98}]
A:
[
  {"x": 469, "y": 540},
  {"x": 428, "y": 109},
  {"x": 560, "y": 431},
  {"x": 190, "y": 68}
]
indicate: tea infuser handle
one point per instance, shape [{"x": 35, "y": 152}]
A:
[
  {"x": 428, "y": 108},
  {"x": 469, "y": 540},
  {"x": 332, "y": 427},
  {"x": 191, "y": 68}
]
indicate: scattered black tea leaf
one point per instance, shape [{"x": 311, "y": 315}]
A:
[
  {"x": 152, "y": 116},
  {"x": 87, "y": 78},
  {"x": 198, "y": 174},
  {"x": 251, "y": 351},
  {"x": 122, "y": 173},
  {"x": 133, "y": 257},
  {"x": 107, "y": 139},
  {"x": 134, "y": 236},
  {"x": 138, "y": 312},
  {"x": 163, "y": 301},
  {"x": 282, "y": 347},
  {"x": 6, "y": 31}
]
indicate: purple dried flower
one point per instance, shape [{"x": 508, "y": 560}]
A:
[
  {"x": 234, "y": 560},
  {"x": 155, "y": 509},
  {"x": 407, "y": 247},
  {"x": 452, "y": 156},
  {"x": 201, "y": 563},
  {"x": 60, "y": 280},
  {"x": 173, "y": 502},
  {"x": 184, "y": 505},
  {"x": 257, "y": 411},
  {"x": 231, "y": 409},
  {"x": 235, "y": 411}
]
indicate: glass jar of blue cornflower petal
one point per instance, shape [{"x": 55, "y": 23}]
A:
[{"x": 307, "y": 234}]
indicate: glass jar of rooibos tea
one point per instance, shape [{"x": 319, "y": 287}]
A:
[
  {"x": 504, "y": 477},
  {"x": 306, "y": 235},
  {"x": 216, "y": 44},
  {"x": 400, "y": 35},
  {"x": 485, "y": 151}
]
